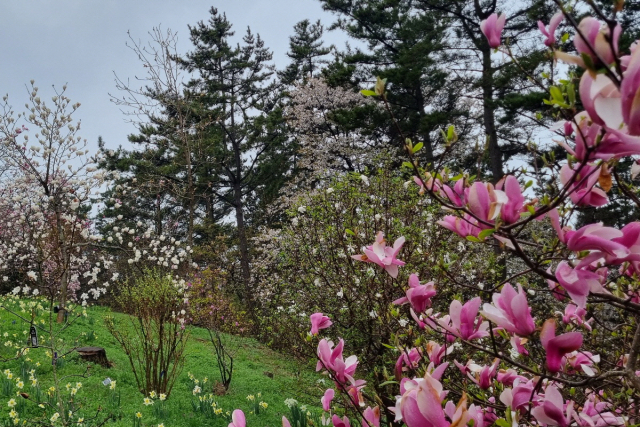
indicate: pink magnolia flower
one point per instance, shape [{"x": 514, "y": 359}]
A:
[
  {"x": 340, "y": 422},
  {"x": 575, "y": 315},
  {"x": 327, "y": 398},
  {"x": 463, "y": 227},
  {"x": 238, "y": 419},
  {"x": 508, "y": 377},
  {"x": 602, "y": 100},
  {"x": 511, "y": 311},
  {"x": 630, "y": 89},
  {"x": 517, "y": 343},
  {"x": 552, "y": 410},
  {"x": 518, "y": 398},
  {"x": 596, "y": 237},
  {"x": 595, "y": 43},
  {"x": 319, "y": 321},
  {"x": 580, "y": 361},
  {"x": 550, "y": 33},
  {"x": 419, "y": 296},
  {"x": 410, "y": 359},
  {"x": 594, "y": 414},
  {"x": 464, "y": 320},
  {"x": 428, "y": 183},
  {"x": 557, "y": 346},
  {"x": 420, "y": 403},
  {"x": 285, "y": 422},
  {"x": 515, "y": 206},
  {"x": 354, "y": 390},
  {"x": 492, "y": 28},
  {"x": 383, "y": 255},
  {"x": 437, "y": 352},
  {"x": 457, "y": 195},
  {"x": 460, "y": 415},
  {"x": 331, "y": 359},
  {"x": 578, "y": 283},
  {"x": 485, "y": 202},
  {"x": 483, "y": 376},
  {"x": 371, "y": 417},
  {"x": 583, "y": 190}
]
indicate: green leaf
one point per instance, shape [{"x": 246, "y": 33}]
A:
[
  {"x": 486, "y": 233},
  {"x": 556, "y": 94},
  {"x": 388, "y": 382},
  {"x": 388, "y": 346},
  {"x": 346, "y": 230},
  {"x": 407, "y": 164},
  {"x": 367, "y": 92},
  {"x": 417, "y": 147},
  {"x": 564, "y": 37},
  {"x": 501, "y": 422},
  {"x": 473, "y": 239}
]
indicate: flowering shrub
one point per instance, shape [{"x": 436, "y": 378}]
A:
[
  {"x": 308, "y": 266},
  {"x": 555, "y": 344}
]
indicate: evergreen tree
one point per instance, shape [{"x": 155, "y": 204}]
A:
[
  {"x": 232, "y": 83},
  {"x": 404, "y": 47},
  {"x": 306, "y": 50}
]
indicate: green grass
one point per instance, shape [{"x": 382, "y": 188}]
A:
[{"x": 252, "y": 362}]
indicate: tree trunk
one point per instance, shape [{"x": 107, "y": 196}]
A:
[
  {"x": 243, "y": 244},
  {"x": 489, "y": 120}
]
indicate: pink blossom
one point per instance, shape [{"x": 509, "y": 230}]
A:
[
  {"x": 630, "y": 89},
  {"x": 340, "y": 422},
  {"x": 383, "y": 255},
  {"x": 492, "y": 28},
  {"x": 594, "y": 414},
  {"x": 580, "y": 361},
  {"x": 457, "y": 195},
  {"x": 483, "y": 376},
  {"x": 574, "y": 314},
  {"x": 550, "y": 33},
  {"x": 582, "y": 188},
  {"x": 319, "y": 321},
  {"x": 485, "y": 202},
  {"x": 437, "y": 352},
  {"x": 327, "y": 398},
  {"x": 331, "y": 359},
  {"x": 464, "y": 319},
  {"x": 578, "y": 283},
  {"x": 419, "y": 296},
  {"x": 552, "y": 410},
  {"x": 519, "y": 396},
  {"x": 463, "y": 227},
  {"x": 511, "y": 311},
  {"x": 596, "y": 237},
  {"x": 557, "y": 346},
  {"x": 595, "y": 43},
  {"x": 407, "y": 358},
  {"x": 238, "y": 419},
  {"x": 515, "y": 206},
  {"x": 508, "y": 377},
  {"x": 285, "y": 422},
  {"x": 420, "y": 403},
  {"x": 371, "y": 417}
]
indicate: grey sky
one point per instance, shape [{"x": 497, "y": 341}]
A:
[{"x": 82, "y": 42}]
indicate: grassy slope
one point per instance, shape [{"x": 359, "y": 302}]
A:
[{"x": 251, "y": 361}]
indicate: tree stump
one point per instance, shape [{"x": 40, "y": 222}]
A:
[{"x": 94, "y": 354}]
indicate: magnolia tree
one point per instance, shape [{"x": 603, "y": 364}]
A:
[
  {"x": 557, "y": 343},
  {"x": 47, "y": 183}
]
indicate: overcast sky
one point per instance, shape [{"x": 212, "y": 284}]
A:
[{"x": 82, "y": 43}]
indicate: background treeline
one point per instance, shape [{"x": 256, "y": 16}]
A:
[{"x": 275, "y": 177}]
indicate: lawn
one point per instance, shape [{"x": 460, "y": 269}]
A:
[{"x": 266, "y": 375}]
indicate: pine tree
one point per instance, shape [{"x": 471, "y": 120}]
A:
[
  {"x": 306, "y": 50},
  {"x": 232, "y": 83}
]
